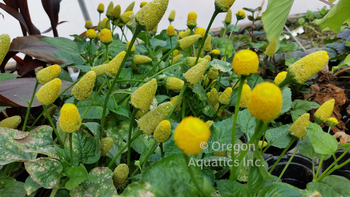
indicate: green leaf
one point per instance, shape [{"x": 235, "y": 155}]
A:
[
  {"x": 278, "y": 137},
  {"x": 301, "y": 107},
  {"x": 335, "y": 18},
  {"x": 322, "y": 142},
  {"x": 13, "y": 189},
  {"x": 4, "y": 179},
  {"x": 94, "y": 127},
  {"x": 275, "y": 17},
  {"x": 246, "y": 122},
  {"x": 31, "y": 186},
  {"x": 255, "y": 180},
  {"x": 64, "y": 75},
  {"x": 331, "y": 185},
  {"x": 63, "y": 44},
  {"x": 207, "y": 108},
  {"x": 44, "y": 171},
  {"x": 161, "y": 98},
  {"x": 279, "y": 189},
  {"x": 229, "y": 188},
  {"x": 103, "y": 187},
  {"x": 220, "y": 65},
  {"x": 291, "y": 61},
  {"x": 9, "y": 152},
  {"x": 225, "y": 46},
  {"x": 7, "y": 76},
  {"x": 287, "y": 100},
  {"x": 122, "y": 110},
  {"x": 95, "y": 111},
  {"x": 305, "y": 147},
  {"x": 139, "y": 188},
  {"x": 2, "y": 108},
  {"x": 76, "y": 176},
  {"x": 68, "y": 58},
  {"x": 156, "y": 42}
]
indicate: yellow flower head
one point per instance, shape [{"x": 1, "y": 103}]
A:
[
  {"x": 280, "y": 77},
  {"x": 324, "y": 112},
  {"x": 120, "y": 174},
  {"x": 11, "y": 122},
  {"x": 173, "y": 83},
  {"x": 143, "y": 3},
  {"x": 125, "y": 17},
  {"x": 142, "y": 98},
  {"x": 162, "y": 132},
  {"x": 207, "y": 44},
  {"x": 223, "y": 5},
  {"x": 150, "y": 121},
  {"x": 228, "y": 17},
  {"x": 200, "y": 31},
  {"x": 176, "y": 52},
  {"x": 245, "y": 96},
  {"x": 215, "y": 52},
  {"x": 91, "y": 33},
  {"x": 213, "y": 73},
  {"x": 83, "y": 89},
  {"x": 185, "y": 33},
  {"x": 265, "y": 101},
  {"x": 332, "y": 121},
  {"x": 106, "y": 145},
  {"x": 177, "y": 58},
  {"x": 116, "y": 12},
  {"x": 191, "y": 20},
  {"x": 298, "y": 128},
  {"x": 4, "y": 46},
  {"x": 141, "y": 59},
  {"x": 171, "y": 31},
  {"x": 150, "y": 14},
  {"x": 213, "y": 96},
  {"x": 47, "y": 74},
  {"x": 110, "y": 9},
  {"x": 194, "y": 74},
  {"x": 171, "y": 17},
  {"x": 225, "y": 96},
  {"x": 240, "y": 14},
  {"x": 308, "y": 66},
  {"x": 188, "y": 41},
  {"x": 173, "y": 100},
  {"x": 270, "y": 49},
  {"x": 191, "y": 134},
  {"x": 70, "y": 120},
  {"x": 245, "y": 62},
  {"x": 105, "y": 36},
  {"x": 48, "y": 93},
  {"x": 88, "y": 24},
  {"x": 262, "y": 144},
  {"x": 114, "y": 64},
  {"x": 132, "y": 48},
  {"x": 130, "y": 7},
  {"x": 100, "y": 70},
  {"x": 101, "y": 8}
]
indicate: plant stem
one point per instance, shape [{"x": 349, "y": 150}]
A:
[
  {"x": 285, "y": 167},
  {"x": 54, "y": 191},
  {"x": 52, "y": 124},
  {"x": 165, "y": 69},
  {"x": 148, "y": 154},
  {"x": 161, "y": 150},
  {"x": 284, "y": 152},
  {"x": 29, "y": 106},
  {"x": 319, "y": 166},
  {"x": 218, "y": 83},
  {"x": 177, "y": 101},
  {"x": 93, "y": 99},
  {"x": 130, "y": 131},
  {"x": 71, "y": 148},
  {"x": 107, "y": 56}
]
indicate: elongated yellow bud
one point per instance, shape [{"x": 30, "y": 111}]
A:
[
  {"x": 141, "y": 59},
  {"x": 173, "y": 100},
  {"x": 150, "y": 121},
  {"x": 114, "y": 64},
  {"x": 4, "y": 46},
  {"x": 213, "y": 96},
  {"x": 189, "y": 61},
  {"x": 262, "y": 144},
  {"x": 225, "y": 96},
  {"x": 48, "y": 93},
  {"x": 110, "y": 9},
  {"x": 120, "y": 174},
  {"x": 142, "y": 98},
  {"x": 280, "y": 77},
  {"x": 270, "y": 49},
  {"x": 162, "y": 132},
  {"x": 185, "y": 34},
  {"x": 11, "y": 122},
  {"x": 101, "y": 8},
  {"x": 105, "y": 24},
  {"x": 245, "y": 62},
  {"x": 69, "y": 118},
  {"x": 150, "y": 14},
  {"x": 171, "y": 31},
  {"x": 191, "y": 20},
  {"x": 116, "y": 12},
  {"x": 213, "y": 73},
  {"x": 132, "y": 48},
  {"x": 324, "y": 112},
  {"x": 298, "y": 128},
  {"x": 223, "y": 5},
  {"x": 83, "y": 89},
  {"x": 131, "y": 7},
  {"x": 207, "y": 44},
  {"x": 106, "y": 145},
  {"x": 47, "y": 74},
  {"x": 171, "y": 17},
  {"x": 100, "y": 70},
  {"x": 308, "y": 66},
  {"x": 245, "y": 96},
  {"x": 173, "y": 83},
  {"x": 143, "y": 3},
  {"x": 188, "y": 41},
  {"x": 194, "y": 74},
  {"x": 125, "y": 17},
  {"x": 105, "y": 36},
  {"x": 228, "y": 17},
  {"x": 177, "y": 58}
]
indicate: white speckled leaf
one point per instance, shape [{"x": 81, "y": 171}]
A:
[{"x": 31, "y": 186}]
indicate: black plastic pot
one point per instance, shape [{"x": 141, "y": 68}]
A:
[
  {"x": 298, "y": 173},
  {"x": 343, "y": 171}
]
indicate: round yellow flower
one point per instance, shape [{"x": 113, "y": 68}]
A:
[
  {"x": 105, "y": 36},
  {"x": 200, "y": 31},
  {"x": 171, "y": 31},
  {"x": 11, "y": 122},
  {"x": 48, "y": 93},
  {"x": 171, "y": 16},
  {"x": 101, "y": 8},
  {"x": 332, "y": 121},
  {"x": 88, "y": 24},
  {"x": 69, "y": 118},
  {"x": 265, "y": 101},
  {"x": 143, "y": 3},
  {"x": 298, "y": 128},
  {"x": 91, "y": 34},
  {"x": 245, "y": 96},
  {"x": 47, "y": 74},
  {"x": 215, "y": 52},
  {"x": 240, "y": 14},
  {"x": 191, "y": 20},
  {"x": 280, "y": 77},
  {"x": 324, "y": 112},
  {"x": 223, "y": 5},
  {"x": 191, "y": 134},
  {"x": 162, "y": 131},
  {"x": 83, "y": 89},
  {"x": 150, "y": 14},
  {"x": 245, "y": 62}
]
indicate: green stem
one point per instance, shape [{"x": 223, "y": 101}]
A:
[
  {"x": 131, "y": 80},
  {"x": 177, "y": 101},
  {"x": 285, "y": 167},
  {"x": 54, "y": 191},
  {"x": 71, "y": 148},
  {"x": 107, "y": 56},
  {"x": 93, "y": 99},
  {"x": 319, "y": 166},
  {"x": 29, "y": 106},
  {"x": 284, "y": 152},
  {"x": 65, "y": 90},
  {"x": 313, "y": 168},
  {"x": 218, "y": 83},
  {"x": 36, "y": 120},
  {"x": 129, "y": 136},
  {"x": 262, "y": 142},
  {"x": 171, "y": 45},
  {"x": 145, "y": 158},
  {"x": 52, "y": 124},
  {"x": 256, "y": 81},
  {"x": 161, "y": 150},
  {"x": 165, "y": 69},
  {"x": 183, "y": 110},
  {"x": 332, "y": 170}
]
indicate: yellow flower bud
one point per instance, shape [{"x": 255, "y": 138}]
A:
[
  {"x": 177, "y": 58},
  {"x": 150, "y": 14},
  {"x": 245, "y": 62},
  {"x": 105, "y": 36},
  {"x": 47, "y": 74},
  {"x": 143, "y": 3},
  {"x": 110, "y": 9},
  {"x": 245, "y": 96},
  {"x": 270, "y": 49},
  {"x": 125, "y": 17},
  {"x": 131, "y": 7},
  {"x": 298, "y": 128},
  {"x": 209, "y": 123},
  {"x": 100, "y": 70},
  {"x": 213, "y": 73},
  {"x": 99, "y": 26},
  {"x": 280, "y": 77},
  {"x": 105, "y": 24},
  {"x": 141, "y": 59},
  {"x": 114, "y": 64},
  {"x": 190, "y": 134},
  {"x": 173, "y": 83},
  {"x": 207, "y": 44},
  {"x": 223, "y": 5},
  {"x": 324, "y": 112},
  {"x": 207, "y": 57},
  {"x": 88, "y": 24},
  {"x": 184, "y": 34},
  {"x": 142, "y": 98},
  {"x": 162, "y": 132},
  {"x": 132, "y": 48},
  {"x": 225, "y": 96},
  {"x": 240, "y": 14},
  {"x": 150, "y": 121},
  {"x": 308, "y": 66},
  {"x": 176, "y": 52},
  {"x": 140, "y": 113},
  {"x": 215, "y": 52},
  {"x": 228, "y": 17},
  {"x": 173, "y": 100},
  {"x": 101, "y": 8},
  {"x": 200, "y": 31},
  {"x": 120, "y": 174},
  {"x": 194, "y": 74},
  {"x": 171, "y": 31},
  {"x": 191, "y": 20},
  {"x": 188, "y": 41},
  {"x": 332, "y": 122},
  {"x": 213, "y": 96},
  {"x": 11, "y": 122},
  {"x": 4, "y": 46},
  {"x": 69, "y": 118},
  {"x": 91, "y": 34},
  {"x": 83, "y": 89},
  {"x": 116, "y": 12},
  {"x": 48, "y": 93},
  {"x": 265, "y": 101},
  {"x": 262, "y": 144},
  {"x": 171, "y": 17},
  {"x": 106, "y": 145}
]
